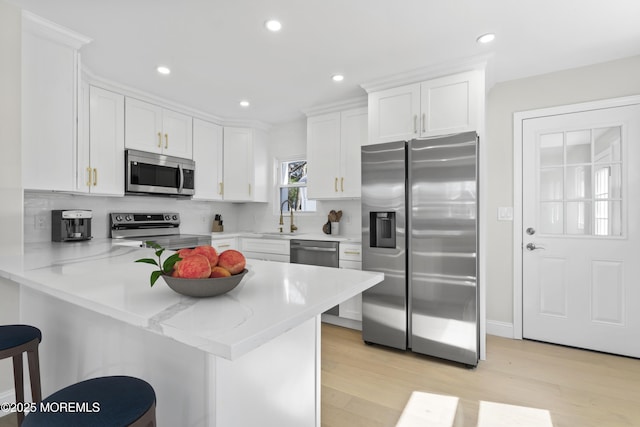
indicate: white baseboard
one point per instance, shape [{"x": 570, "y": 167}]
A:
[
  {"x": 7, "y": 396},
  {"x": 501, "y": 329}
]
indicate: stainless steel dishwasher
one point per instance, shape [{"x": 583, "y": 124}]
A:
[{"x": 315, "y": 252}]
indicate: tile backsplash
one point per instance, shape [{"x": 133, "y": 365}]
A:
[{"x": 196, "y": 216}]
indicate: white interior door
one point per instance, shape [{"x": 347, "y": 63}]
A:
[{"x": 580, "y": 229}]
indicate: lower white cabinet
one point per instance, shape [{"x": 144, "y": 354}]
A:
[
  {"x": 351, "y": 258},
  {"x": 265, "y": 249},
  {"x": 221, "y": 244}
]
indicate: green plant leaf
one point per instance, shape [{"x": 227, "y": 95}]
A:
[
  {"x": 168, "y": 264},
  {"x": 159, "y": 252},
  {"x": 154, "y": 276},
  {"x": 152, "y": 244},
  {"x": 148, "y": 261}
]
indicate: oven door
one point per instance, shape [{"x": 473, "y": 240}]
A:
[{"x": 150, "y": 173}]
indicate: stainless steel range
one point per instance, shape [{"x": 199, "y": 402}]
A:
[{"x": 161, "y": 228}]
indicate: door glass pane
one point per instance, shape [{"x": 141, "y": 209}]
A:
[
  {"x": 578, "y": 218},
  {"x": 551, "y": 149},
  {"x": 578, "y": 182},
  {"x": 579, "y": 147},
  {"x": 551, "y": 184},
  {"x": 607, "y": 145},
  {"x": 551, "y": 218}
]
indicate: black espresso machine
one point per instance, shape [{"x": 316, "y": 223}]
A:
[{"x": 70, "y": 225}]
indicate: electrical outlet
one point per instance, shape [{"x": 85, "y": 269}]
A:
[{"x": 40, "y": 222}]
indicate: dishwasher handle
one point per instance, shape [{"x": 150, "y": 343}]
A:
[{"x": 313, "y": 248}]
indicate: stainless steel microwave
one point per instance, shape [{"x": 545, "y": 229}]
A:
[{"x": 151, "y": 173}]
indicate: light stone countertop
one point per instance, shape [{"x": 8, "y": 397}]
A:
[
  {"x": 271, "y": 299},
  {"x": 289, "y": 236}
]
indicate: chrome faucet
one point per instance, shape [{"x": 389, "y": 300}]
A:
[{"x": 293, "y": 227}]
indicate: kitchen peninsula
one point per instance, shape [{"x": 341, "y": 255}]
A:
[{"x": 249, "y": 357}]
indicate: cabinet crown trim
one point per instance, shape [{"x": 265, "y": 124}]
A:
[
  {"x": 426, "y": 73},
  {"x": 40, "y": 26},
  {"x": 333, "y": 107}
]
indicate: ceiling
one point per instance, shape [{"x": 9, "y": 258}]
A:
[{"x": 219, "y": 51}]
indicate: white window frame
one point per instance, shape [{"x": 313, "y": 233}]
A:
[{"x": 278, "y": 186}]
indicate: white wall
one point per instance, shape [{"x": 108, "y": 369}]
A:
[
  {"x": 288, "y": 140},
  {"x": 10, "y": 172},
  {"x": 601, "y": 81}
]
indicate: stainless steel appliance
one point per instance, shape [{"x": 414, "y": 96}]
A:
[
  {"x": 315, "y": 252},
  {"x": 151, "y": 173},
  {"x": 70, "y": 225},
  {"x": 160, "y": 228},
  {"x": 419, "y": 227}
]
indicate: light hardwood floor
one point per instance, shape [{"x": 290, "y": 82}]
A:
[{"x": 369, "y": 385}]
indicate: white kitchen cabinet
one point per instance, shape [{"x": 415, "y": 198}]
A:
[
  {"x": 100, "y": 166},
  {"x": 265, "y": 249},
  {"x": 440, "y": 106},
  {"x": 245, "y": 165},
  {"x": 351, "y": 258},
  {"x": 50, "y": 69},
  {"x": 221, "y": 244},
  {"x": 155, "y": 129},
  {"x": 333, "y": 154},
  {"x": 208, "y": 154}
]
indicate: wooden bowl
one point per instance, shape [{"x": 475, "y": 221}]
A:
[{"x": 201, "y": 288}]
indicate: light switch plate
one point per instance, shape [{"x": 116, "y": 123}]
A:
[{"x": 505, "y": 213}]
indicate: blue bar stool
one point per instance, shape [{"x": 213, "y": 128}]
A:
[
  {"x": 112, "y": 401},
  {"x": 15, "y": 340}
]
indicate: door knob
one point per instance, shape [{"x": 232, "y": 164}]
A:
[
  {"x": 533, "y": 247},
  {"x": 531, "y": 231}
]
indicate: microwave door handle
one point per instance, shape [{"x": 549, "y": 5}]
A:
[{"x": 181, "y": 183}]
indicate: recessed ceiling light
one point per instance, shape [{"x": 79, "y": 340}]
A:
[
  {"x": 163, "y": 70},
  {"x": 244, "y": 103},
  {"x": 273, "y": 25},
  {"x": 337, "y": 77},
  {"x": 486, "y": 38}
]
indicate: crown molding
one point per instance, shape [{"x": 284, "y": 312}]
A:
[
  {"x": 42, "y": 27},
  {"x": 360, "y": 101},
  {"x": 427, "y": 73}
]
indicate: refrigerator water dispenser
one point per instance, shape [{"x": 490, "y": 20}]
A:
[{"x": 383, "y": 229}]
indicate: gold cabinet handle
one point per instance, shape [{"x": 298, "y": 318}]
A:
[
  {"x": 88, "y": 177},
  {"x": 424, "y": 122},
  {"x": 95, "y": 177},
  {"x": 221, "y": 189},
  {"x": 415, "y": 123},
  {"x": 335, "y": 185},
  {"x": 249, "y": 188},
  {"x": 166, "y": 140},
  {"x": 342, "y": 184},
  {"x": 159, "y": 139},
  {"x": 223, "y": 246},
  {"x": 352, "y": 252}
]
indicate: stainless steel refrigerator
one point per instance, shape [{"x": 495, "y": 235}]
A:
[{"x": 420, "y": 228}]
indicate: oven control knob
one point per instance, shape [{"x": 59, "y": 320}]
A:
[
  {"x": 175, "y": 217},
  {"x": 167, "y": 217},
  {"x": 128, "y": 218},
  {"x": 118, "y": 218}
]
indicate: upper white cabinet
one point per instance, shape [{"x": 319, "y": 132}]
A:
[
  {"x": 333, "y": 153},
  {"x": 245, "y": 165},
  {"x": 155, "y": 129},
  {"x": 50, "y": 68},
  {"x": 208, "y": 154},
  {"x": 440, "y": 106},
  {"x": 100, "y": 166}
]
